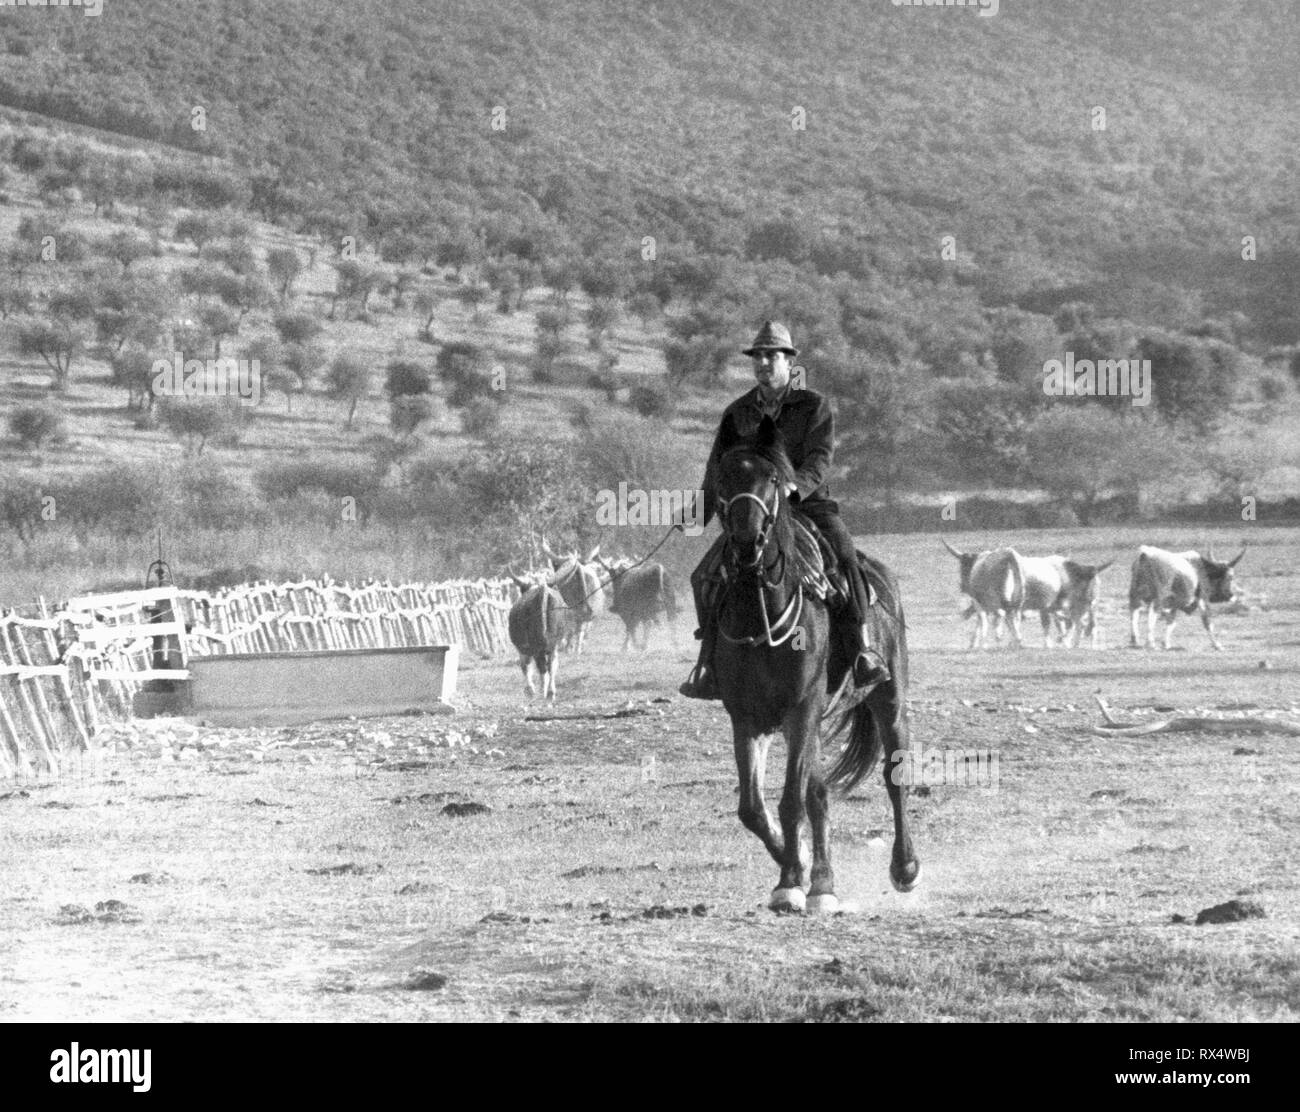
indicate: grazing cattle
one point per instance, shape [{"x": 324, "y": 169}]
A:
[
  {"x": 578, "y": 582},
  {"x": 994, "y": 582},
  {"x": 1166, "y": 582},
  {"x": 538, "y": 622},
  {"x": 643, "y": 596},
  {"x": 1076, "y": 608},
  {"x": 1004, "y": 584}
]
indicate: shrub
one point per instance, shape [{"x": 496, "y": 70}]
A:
[
  {"x": 348, "y": 381},
  {"x": 466, "y": 368},
  {"x": 653, "y": 401},
  {"x": 1272, "y": 388},
  {"x": 21, "y": 506},
  {"x": 133, "y": 372},
  {"x": 210, "y": 498},
  {"x": 405, "y": 378},
  {"x": 34, "y": 426},
  {"x": 480, "y": 418},
  {"x": 198, "y": 422},
  {"x": 306, "y": 482},
  {"x": 125, "y": 500},
  {"x": 408, "y": 411}
]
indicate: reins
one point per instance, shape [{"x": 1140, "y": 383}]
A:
[
  {"x": 761, "y": 580},
  {"x": 614, "y": 573}
]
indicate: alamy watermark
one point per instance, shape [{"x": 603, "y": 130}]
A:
[
  {"x": 986, "y": 7},
  {"x": 179, "y": 377},
  {"x": 631, "y": 506},
  {"x": 954, "y": 767},
  {"x": 1104, "y": 378},
  {"x": 92, "y": 7}
]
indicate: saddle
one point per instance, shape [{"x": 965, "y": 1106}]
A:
[{"x": 815, "y": 561}]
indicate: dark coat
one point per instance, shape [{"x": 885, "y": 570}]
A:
[{"x": 806, "y": 424}]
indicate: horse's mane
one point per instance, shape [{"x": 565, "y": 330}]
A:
[{"x": 773, "y": 452}]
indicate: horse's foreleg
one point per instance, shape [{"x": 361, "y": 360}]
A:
[
  {"x": 805, "y": 723},
  {"x": 800, "y": 729},
  {"x": 891, "y": 721},
  {"x": 751, "y": 764}
]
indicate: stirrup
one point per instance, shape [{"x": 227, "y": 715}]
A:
[
  {"x": 701, "y": 684},
  {"x": 869, "y": 668}
]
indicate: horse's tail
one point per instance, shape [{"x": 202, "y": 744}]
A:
[
  {"x": 870, "y": 721},
  {"x": 862, "y": 753}
]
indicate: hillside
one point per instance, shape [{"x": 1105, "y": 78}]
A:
[
  {"x": 357, "y": 147},
  {"x": 625, "y": 119}
]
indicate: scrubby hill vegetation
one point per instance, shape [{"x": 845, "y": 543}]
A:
[{"x": 485, "y": 259}]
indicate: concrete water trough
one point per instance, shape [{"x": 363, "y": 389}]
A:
[{"x": 282, "y": 689}]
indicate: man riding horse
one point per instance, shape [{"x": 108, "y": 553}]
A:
[{"x": 804, "y": 419}]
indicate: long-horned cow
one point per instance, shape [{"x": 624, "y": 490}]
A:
[
  {"x": 1003, "y": 584},
  {"x": 643, "y": 596},
  {"x": 994, "y": 582},
  {"x": 1166, "y": 582},
  {"x": 578, "y": 581},
  {"x": 1076, "y": 607},
  {"x": 538, "y": 621}
]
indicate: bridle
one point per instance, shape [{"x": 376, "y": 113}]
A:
[{"x": 794, "y": 609}]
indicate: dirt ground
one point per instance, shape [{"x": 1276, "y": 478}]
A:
[{"x": 486, "y": 867}]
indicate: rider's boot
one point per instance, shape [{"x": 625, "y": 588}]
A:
[
  {"x": 702, "y": 683},
  {"x": 869, "y": 667}
]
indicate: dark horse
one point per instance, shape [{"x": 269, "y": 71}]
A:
[{"x": 779, "y": 665}]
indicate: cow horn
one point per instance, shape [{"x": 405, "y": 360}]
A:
[
  {"x": 546, "y": 549},
  {"x": 954, "y": 551},
  {"x": 1102, "y": 567},
  {"x": 1233, "y": 562},
  {"x": 592, "y": 555}
]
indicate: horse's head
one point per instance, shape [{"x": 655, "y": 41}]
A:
[{"x": 752, "y": 477}]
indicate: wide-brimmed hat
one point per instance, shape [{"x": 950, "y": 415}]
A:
[{"x": 771, "y": 337}]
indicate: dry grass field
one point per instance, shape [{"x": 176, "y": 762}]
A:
[{"x": 337, "y": 871}]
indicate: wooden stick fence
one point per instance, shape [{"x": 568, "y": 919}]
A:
[{"x": 64, "y": 677}]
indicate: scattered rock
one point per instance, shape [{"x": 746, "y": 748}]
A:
[
  {"x": 659, "y": 911},
  {"x": 72, "y": 915},
  {"x": 1108, "y": 793},
  {"x": 424, "y": 980},
  {"x": 1244, "y": 752},
  {"x": 57, "y": 805},
  {"x": 106, "y": 911},
  {"x": 1234, "y": 911},
  {"x": 601, "y": 870},
  {"x": 348, "y": 867},
  {"x": 151, "y": 878},
  {"x": 851, "y": 1010},
  {"x": 509, "y": 918},
  {"x": 460, "y": 810},
  {"x": 1003, "y": 913}
]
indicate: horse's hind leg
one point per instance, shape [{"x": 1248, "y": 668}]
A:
[{"x": 891, "y": 720}]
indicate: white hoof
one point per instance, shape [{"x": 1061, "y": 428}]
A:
[
  {"x": 787, "y": 899},
  {"x": 823, "y": 905}
]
